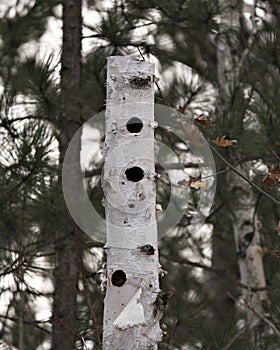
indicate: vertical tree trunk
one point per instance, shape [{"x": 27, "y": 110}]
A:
[
  {"x": 223, "y": 257},
  {"x": 249, "y": 252},
  {"x": 242, "y": 201},
  {"x": 223, "y": 245},
  {"x": 248, "y": 245},
  {"x": 66, "y": 271},
  {"x": 131, "y": 316}
]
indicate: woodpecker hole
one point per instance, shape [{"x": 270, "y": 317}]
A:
[
  {"x": 134, "y": 174},
  {"x": 140, "y": 83},
  {"x": 148, "y": 249},
  {"x": 118, "y": 278},
  {"x": 134, "y": 125}
]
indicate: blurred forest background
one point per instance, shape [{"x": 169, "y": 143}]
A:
[{"x": 220, "y": 62}]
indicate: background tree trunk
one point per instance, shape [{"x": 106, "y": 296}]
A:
[
  {"x": 66, "y": 272},
  {"x": 223, "y": 250},
  {"x": 241, "y": 198}
]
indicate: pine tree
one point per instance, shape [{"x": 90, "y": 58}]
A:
[
  {"x": 176, "y": 34},
  {"x": 66, "y": 272}
]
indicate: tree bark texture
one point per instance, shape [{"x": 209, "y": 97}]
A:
[
  {"x": 241, "y": 198},
  {"x": 66, "y": 271},
  {"x": 131, "y": 319}
]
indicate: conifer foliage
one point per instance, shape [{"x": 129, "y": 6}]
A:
[{"x": 46, "y": 264}]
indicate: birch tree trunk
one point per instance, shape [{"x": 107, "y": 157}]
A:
[
  {"x": 131, "y": 318},
  {"x": 242, "y": 201}
]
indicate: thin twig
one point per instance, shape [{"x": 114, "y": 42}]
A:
[
  {"x": 214, "y": 211},
  {"x": 265, "y": 319},
  {"x": 258, "y": 289},
  {"x": 184, "y": 261},
  {"x": 243, "y": 177},
  {"x": 234, "y": 338},
  {"x": 84, "y": 343},
  {"x": 257, "y": 313},
  {"x": 70, "y": 330},
  {"x": 215, "y": 174},
  {"x": 86, "y": 288},
  {"x": 143, "y": 58},
  {"x": 29, "y": 323},
  {"x": 65, "y": 325}
]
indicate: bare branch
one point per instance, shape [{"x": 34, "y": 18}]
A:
[{"x": 29, "y": 323}]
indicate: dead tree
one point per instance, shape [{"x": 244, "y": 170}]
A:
[{"x": 133, "y": 300}]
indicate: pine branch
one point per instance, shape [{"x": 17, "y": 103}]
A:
[
  {"x": 242, "y": 176},
  {"x": 256, "y": 312},
  {"x": 86, "y": 288},
  {"x": 35, "y": 324},
  {"x": 184, "y": 261}
]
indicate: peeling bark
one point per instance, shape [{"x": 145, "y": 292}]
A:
[{"x": 130, "y": 199}]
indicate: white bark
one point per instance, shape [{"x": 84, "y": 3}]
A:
[
  {"x": 132, "y": 271},
  {"x": 243, "y": 203},
  {"x": 248, "y": 244}
]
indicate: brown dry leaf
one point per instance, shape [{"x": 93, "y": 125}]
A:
[
  {"x": 272, "y": 177},
  {"x": 198, "y": 185},
  {"x": 275, "y": 253},
  {"x": 264, "y": 250},
  {"x": 156, "y": 79},
  {"x": 203, "y": 122},
  {"x": 193, "y": 182},
  {"x": 277, "y": 228},
  {"x": 182, "y": 109},
  {"x": 191, "y": 133},
  {"x": 221, "y": 141}
]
